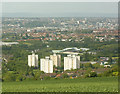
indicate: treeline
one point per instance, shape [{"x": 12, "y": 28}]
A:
[{"x": 36, "y": 74}]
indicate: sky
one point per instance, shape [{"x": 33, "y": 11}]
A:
[
  {"x": 60, "y": 0},
  {"x": 59, "y": 9}
]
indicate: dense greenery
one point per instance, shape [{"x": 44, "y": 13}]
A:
[{"x": 16, "y": 64}]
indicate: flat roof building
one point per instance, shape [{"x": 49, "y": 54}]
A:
[
  {"x": 56, "y": 59},
  {"x": 33, "y": 60},
  {"x": 46, "y": 65},
  {"x": 71, "y": 62}
]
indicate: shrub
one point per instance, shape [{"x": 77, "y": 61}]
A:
[
  {"x": 47, "y": 77},
  {"x": 19, "y": 78},
  {"x": 65, "y": 76},
  {"x": 9, "y": 77},
  {"x": 93, "y": 74},
  {"x": 115, "y": 73}
]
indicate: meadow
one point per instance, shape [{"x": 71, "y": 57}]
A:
[{"x": 98, "y": 84}]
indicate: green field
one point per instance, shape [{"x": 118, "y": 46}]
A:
[{"x": 99, "y": 84}]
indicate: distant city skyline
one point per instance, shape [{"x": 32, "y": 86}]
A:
[{"x": 60, "y": 9}]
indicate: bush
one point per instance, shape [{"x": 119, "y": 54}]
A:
[
  {"x": 115, "y": 73},
  {"x": 93, "y": 74},
  {"x": 86, "y": 75},
  {"x": 47, "y": 77},
  {"x": 107, "y": 73},
  {"x": 19, "y": 78},
  {"x": 99, "y": 75},
  {"x": 65, "y": 76},
  {"x": 9, "y": 77}
]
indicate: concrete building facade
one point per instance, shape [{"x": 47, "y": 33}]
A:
[
  {"x": 46, "y": 65},
  {"x": 56, "y": 59},
  {"x": 71, "y": 62},
  {"x": 33, "y": 60}
]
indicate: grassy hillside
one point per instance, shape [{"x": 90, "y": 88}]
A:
[{"x": 99, "y": 84}]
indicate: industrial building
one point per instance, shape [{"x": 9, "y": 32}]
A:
[
  {"x": 56, "y": 59},
  {"x": 46, "y": 65},
  {"x": 33, "y": 60},
  {"x": 71, "y": 62}
]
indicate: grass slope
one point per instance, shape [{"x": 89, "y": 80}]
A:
[{"x": 99, "y": 84}]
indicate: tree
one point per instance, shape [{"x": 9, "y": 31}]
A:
[
  {"x": 87, "y": 73},
  {"x": 31, "y": 73},
  {"x": 87, "y": 65},
  {"x": 47, "y": 35},
  {"x": 9, "y": 77},
  {"x": 19, "y": 78},
  {"x": 97, "y": 65},
  {"x": 93, "y": 74},
  {"x": 37, "y": 75},
  {"x": 47, "y": 77},
  {"x": 107, "y": 73},
  {"x": 110, "y": 60},
  {"x": 65, "y": 75}
]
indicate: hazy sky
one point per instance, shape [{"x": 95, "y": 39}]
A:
[
  {"x": 60, "y": 0},
  {"x": 60, "y": 9}
]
